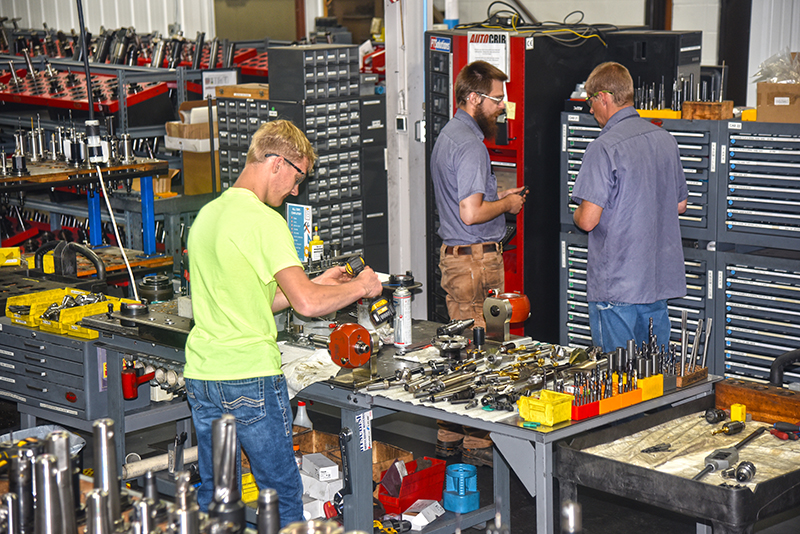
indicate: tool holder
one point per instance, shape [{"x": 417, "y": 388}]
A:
[{"x": 461, "y": 493}]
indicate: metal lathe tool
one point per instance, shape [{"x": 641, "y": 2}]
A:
[
  {"x": 105, "y": 473},
  {"x": 48, "y": 509},
  {"x": 226, "y": 504}
]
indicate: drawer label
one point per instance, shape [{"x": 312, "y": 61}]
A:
[
  {"x": 57, "y": 408},
  {"x": 7, "y": 379},
  {"x": 18, "y": 398},
  {"x": 7, "y": 352},
  {"x": 8, "y": 365}
]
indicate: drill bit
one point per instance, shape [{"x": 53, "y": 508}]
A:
[{"x": 684, "y": 341}]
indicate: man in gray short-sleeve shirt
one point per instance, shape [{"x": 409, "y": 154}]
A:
[
  {"x": 471, "y": 210},
  {"x": 631, "y": 189}
]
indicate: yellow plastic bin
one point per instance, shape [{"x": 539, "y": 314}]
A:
[{"x": 549, "y": 409}]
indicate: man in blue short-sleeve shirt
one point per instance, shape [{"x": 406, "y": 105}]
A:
[{"x": 631, "y": 189}]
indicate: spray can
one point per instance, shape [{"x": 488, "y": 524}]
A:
[{"x": 402, "y": 319}]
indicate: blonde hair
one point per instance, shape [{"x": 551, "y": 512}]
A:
[
  {"x": 283, "y": 138},
  {"x": 615, "y": 79}
]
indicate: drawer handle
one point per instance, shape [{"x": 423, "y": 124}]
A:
[
  {"x": 39, "y": 360},
  {"x": 43, "y": 390},
  {"x": 40, "y": 373},
  {"x": 32, "y": 346}
]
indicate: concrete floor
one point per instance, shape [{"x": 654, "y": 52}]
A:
[{"x": 602, "y": 513}]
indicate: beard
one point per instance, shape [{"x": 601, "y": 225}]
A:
[{"x": 487, "y": 123}]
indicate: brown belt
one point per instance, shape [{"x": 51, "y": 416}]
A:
[{"x": 466, "y": 250}]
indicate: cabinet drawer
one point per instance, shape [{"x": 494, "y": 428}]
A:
[{"x": 12, "y": 355}]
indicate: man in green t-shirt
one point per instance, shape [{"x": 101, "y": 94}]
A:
[{"x": 244, "y": 269}]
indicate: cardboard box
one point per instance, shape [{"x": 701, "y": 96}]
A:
[
  {"x": 323, "y": 490},
  {"x": 313, "y": 508},
  {"x": 778, "y": 102},
  {"x": 192, "y": 139},
  {"x": 383, "y": 454},
  {"x": 422, "y": 513},
  {"x": 320, "y": 466}
]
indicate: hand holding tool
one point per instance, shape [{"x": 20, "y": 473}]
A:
[{"x": 354, "y": 265}]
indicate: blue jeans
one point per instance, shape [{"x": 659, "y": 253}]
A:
[
  {"x": 614, "y": 323},
  {"x": 263, "y": 429}
]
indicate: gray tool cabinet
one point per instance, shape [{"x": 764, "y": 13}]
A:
[{"x": 741, "y": 233}]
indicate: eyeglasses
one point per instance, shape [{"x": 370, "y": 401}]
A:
[
  {"x": 594, "y": 95},
  {"x": 300, "y": 178},
  {"x": 496, "y": 99}
]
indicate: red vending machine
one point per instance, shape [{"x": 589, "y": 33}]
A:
[{"x": 543, "y": 66}]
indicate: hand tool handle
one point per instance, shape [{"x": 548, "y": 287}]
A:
[{"x": 786, "y": 427}]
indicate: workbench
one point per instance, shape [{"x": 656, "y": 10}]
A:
[
  {"x": 723, "y": 509},
  {"x": 530, "y": 453}
]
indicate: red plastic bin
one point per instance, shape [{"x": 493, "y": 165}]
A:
[{"x": 426, "y": 484}]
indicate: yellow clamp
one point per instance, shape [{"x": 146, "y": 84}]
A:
[{"x": 388, "y": 530}]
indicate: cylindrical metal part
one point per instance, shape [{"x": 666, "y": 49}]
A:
[
  {"x": 20, "y": 143},
  {"x": 48, "y": 518},
  {"x": 620, "y": 360},
  {"x": 641, "y": 366},
  {"x": 20, "y": 483},
  {"x": 213, "y": 52},
  {"x": 402, "y": 318},
  {"x": 97, "y": 519},
  {"x": 226, "y": 504},
  {"x": 57, "y": 444},
  {"x": 105, "y": 470},
  {"x": 478, "y": 337},
  {"x": 317, "y": 526},
  {"x": 745, "y": 472},
  {"x": 707, "y": 340},
  {"x": 150, "y": 487},
  {"x": 144, "y": 511},
  {"x": 230, "y": 52},
  {"x": 31, "y": 71},
  {"x": 187, "y": 513},
  {"x": 198, "y": 50},
  {"x": 11, "y": 504},
  {"x": 684, "y": 341},
  {"x": 126, "y": 156},
  {"x": 630, "y": 349},
  {"x": 159, "y": 52},
  {"x": 269, "y": 518}
]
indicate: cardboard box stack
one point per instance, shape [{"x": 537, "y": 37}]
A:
[
  {"x": 190, "y": 135},
  {"x": 779, "y": 102}
]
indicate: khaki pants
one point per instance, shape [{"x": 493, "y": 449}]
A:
[{"x": 466, "y": 278}]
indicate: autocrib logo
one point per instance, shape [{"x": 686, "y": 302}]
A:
[
  {"x": 440, "y": 44},
  {"x": 484, "y": 38}
]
